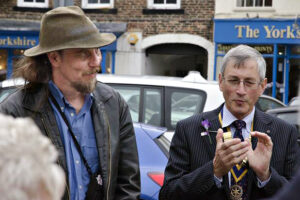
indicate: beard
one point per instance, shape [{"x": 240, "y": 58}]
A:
[{"x": 85, "y": 87}]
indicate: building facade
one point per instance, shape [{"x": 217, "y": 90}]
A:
[
  {"x": 155, "y": 37},
  {"x": 270, "y": 26}
]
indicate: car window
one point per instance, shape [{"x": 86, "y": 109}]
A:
[
  {"x": 164, "y": 144},
  {"x": 184, "y": 104},
  {"x": 265, "y": 104},
  {"x": 131, "y": 95},
  {"x": 152, "y": 112},
  {"x": 4, "y": 92}
]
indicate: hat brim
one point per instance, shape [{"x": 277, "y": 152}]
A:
[{"x": 95, "y": 41}]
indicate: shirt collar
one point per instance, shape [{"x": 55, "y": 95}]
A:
[
  {"x": 228, "y": 118},
  {"x": 59, "y": 97}
]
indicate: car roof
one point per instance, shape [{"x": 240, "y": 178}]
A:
[
  {"x": 12, "y": 82},
  {"x": 284, "y": 109}
]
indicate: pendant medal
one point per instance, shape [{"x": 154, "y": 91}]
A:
[{"x": 236, "y": 192}]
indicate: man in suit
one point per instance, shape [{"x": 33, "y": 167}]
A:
[{"x": 202, "y": 165}]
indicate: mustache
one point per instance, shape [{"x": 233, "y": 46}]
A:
[{"x": 92, "y": 72}]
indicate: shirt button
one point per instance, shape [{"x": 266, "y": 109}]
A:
[
  {"x": 80, "y": 187},
  {"x": 62, "y": 108},
  {"x": 77, "y": 161},
  {"x": 72, "y": 114}
]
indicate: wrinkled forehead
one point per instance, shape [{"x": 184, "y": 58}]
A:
[{"x": 248, "y": 64}]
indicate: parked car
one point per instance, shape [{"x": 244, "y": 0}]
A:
[
  {"x": 163, "y": 101},
  {"x": 152, "y": 147},
  {"x": 266, "y": 102},
  {"x": 289, "y": 114},
  {"x": 295, "y": 101}
]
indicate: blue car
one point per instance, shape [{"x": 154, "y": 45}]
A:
[
  {"x": 152, "y": 146},
  {"x": 153, "y": 153}
]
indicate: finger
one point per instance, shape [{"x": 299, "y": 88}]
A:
[
  {"x": 240, "y": 152},
  {"x": 262, "y": 138},
  {"x": 219, "y": 137},
  {"x": 236, "y": 150},
  {"x": 231, "y": 144},
  {"x": 240, "y": 158}
]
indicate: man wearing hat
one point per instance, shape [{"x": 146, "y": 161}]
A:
[{"x": 87, "y": 121}]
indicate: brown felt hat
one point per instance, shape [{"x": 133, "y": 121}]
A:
[{"x": 67, "y": 28}]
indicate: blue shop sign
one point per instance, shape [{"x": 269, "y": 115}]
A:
[
  {"x": 257, "y": 31},
  {"x": 18, "y": 41},
  {"x": 27, "y": 41}
]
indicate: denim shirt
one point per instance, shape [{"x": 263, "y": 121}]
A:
[{"x": 83, "y": 129}]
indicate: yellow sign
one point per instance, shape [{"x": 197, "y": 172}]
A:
[
  {"x": 17, "y": 41},
  {"x": 269, "y": 31}
]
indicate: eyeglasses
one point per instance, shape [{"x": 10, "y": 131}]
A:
[{"x": 248, "y": 84}]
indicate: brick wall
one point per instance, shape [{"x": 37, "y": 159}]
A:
[{"x": 197, "y": 17}]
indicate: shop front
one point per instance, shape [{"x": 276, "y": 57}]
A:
[
  {"x": 14, "y": 43},
  {"x": 278, "y": 40}
]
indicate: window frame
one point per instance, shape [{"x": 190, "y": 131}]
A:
[
  {"x": 22, "y": 3},
  {"x": 253, "y": 6},
  {"x": 86, "y": 5},
  {"x": 152, "y": 5}
]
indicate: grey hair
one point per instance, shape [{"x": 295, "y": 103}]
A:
[
  {"x": 241, "y": 53},
  {"x": 27, "y": 162}
]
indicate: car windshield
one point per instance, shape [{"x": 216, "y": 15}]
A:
[{"x": 265, "y": 103}]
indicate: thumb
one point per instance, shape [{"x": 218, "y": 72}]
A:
[{"x": 219, "y": 136}]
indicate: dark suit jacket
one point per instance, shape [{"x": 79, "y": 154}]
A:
[
  {"x": 189, "y": 172},
  {"x": 290, "y": 191}
]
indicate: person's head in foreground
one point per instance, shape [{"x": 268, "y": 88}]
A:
[{"x": 27, "y": 162}]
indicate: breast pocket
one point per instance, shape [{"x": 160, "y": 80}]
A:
[{"x": 90, "y": 152}]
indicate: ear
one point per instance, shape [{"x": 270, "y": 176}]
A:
[
  {"x": 263, "y": 85},
  {"x": 221, "y": 82},
  {"x": 54, "y": 58}
]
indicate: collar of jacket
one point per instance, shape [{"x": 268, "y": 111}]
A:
[{"x": 37, "y": 96}]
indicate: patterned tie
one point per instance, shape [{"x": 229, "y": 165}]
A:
[
  {"x": 239, "y": 125},
  {"x": 240, "y": 172}
]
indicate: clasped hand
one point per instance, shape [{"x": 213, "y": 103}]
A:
[{"x": 234, "y": 151}]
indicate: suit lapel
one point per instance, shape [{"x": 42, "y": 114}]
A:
[{"x": 212, "y": 117}]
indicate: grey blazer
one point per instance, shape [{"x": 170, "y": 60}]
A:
[{"x": 189, "y": 172}]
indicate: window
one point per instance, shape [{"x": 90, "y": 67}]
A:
[
  {"x": 131, "y": 95},
  {"x": 3, "y": 64},
  {"x": 91, "y": 4},
  {"x": 152, "y": 107},
  {"x": 254, "y": 3},
  {"x": 184, "y": 104},
  {"x": 33, "y": 3},
  {"x": 163, "y": 4}
]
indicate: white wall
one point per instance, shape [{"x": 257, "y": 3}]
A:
[
  {"x": 280, "y": 9},
  {"x": 130, "y": 59}
]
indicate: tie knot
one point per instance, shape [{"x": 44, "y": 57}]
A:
[{"x": 239, "y": 124}]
